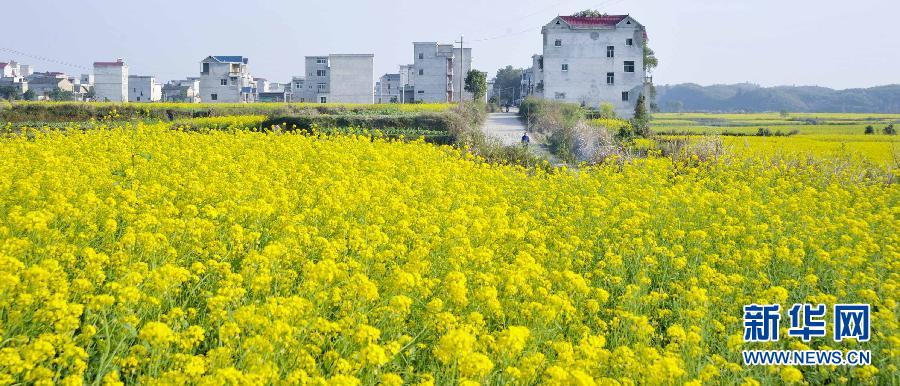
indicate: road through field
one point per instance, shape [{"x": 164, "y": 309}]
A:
[{"x": 508, "y": 129}]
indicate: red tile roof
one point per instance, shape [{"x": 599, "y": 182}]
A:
[{"x": 598, "y": 21}]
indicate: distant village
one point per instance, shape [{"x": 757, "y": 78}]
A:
[{"x": 586, "y": 59}]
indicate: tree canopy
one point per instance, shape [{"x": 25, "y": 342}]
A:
[
  {"x": 507, "y": 84},
  {"x": 476, "y": 83}
]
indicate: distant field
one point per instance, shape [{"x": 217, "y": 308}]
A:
[
  {"x": 816, "y": 134},
  {"x": 805, "y": 123},
  {"x": 880, "y": 149}
]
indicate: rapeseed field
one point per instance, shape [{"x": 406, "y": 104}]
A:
[{"x": 158, "y": 256}]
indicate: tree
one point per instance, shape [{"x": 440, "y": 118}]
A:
[
  {"x": 59, "y": 95},
  {"x": 588, "y": 13},
  {"x": 29, "y": 95},
  {"x": 9, "y": 93},
  {"x": 641, "y": 119},
  {"x": 476, "y": 83},
  {"x": 507, "y": 85},
  {"x": 889, "y": 129},
  {"x": 650, "y": 61},
  {"x": 870, "y": 129}
]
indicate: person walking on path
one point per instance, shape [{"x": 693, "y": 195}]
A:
[{"x": 526, "y": 139}]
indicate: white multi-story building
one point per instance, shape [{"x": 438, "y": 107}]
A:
[
  {"x": 143, "y": 89},
  {"x": 388, "y": 89},
  {"x": 436, "y": 72},
  {"x": 591, "y": 61},
  {"x": 111, "y": 81},
  {"x": 226, "y": 79},
  {"x": 339, "y": 78}
]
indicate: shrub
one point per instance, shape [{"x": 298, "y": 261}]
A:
[
  {"x": 889, "y": 129},
  {"x": 870, "y": 129}
]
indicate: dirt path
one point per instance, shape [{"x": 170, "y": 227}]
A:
[{"x": 508, "y": 128}]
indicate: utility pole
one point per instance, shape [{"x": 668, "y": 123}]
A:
[{"x": 462, "y": 61}]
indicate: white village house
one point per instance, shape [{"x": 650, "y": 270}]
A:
[
  {"x": 111, "y": 81},
  {"x": 591, "y": 61},
  {"x": 337, "y": 78},
  {"x": 226, "y": 79},
  {"x": 436, "y": 72},
  {"x": 143, "y": 89},
  {"x": 388, "y": 89}
]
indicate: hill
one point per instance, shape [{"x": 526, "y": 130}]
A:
[{"x": 746, "y": 97}]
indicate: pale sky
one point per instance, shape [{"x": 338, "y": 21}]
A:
[{"x": 839, "y": 44}]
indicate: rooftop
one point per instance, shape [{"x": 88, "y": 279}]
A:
[
  {"x": 593, "y": 21},
  {"x": 229, "y": 59},
  {"x": 117, "y": 63}
]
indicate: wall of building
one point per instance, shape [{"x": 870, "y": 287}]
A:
[
  {"x": 111, "y": 83},
  {"x": 351, "y": 78},
  {"x": 388, "y": 89},
  {"x": 211, "y": 83},
  {"x": 584, "y": 52},
  {"x": 436, "y": 72},
  {"x": 143, "y": 89},
  {"x": 316, "y": 82}
]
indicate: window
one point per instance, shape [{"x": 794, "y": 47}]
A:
[
  {"x": 560, "y": 95},
  {"x": 321, "y": 86},
  {"x": 629, "y": 66},
  {"x": 214, "y": 97},
  {"x": 205, "y": 69},
  {"x": 320, "y": 72},
  {"x": 624, "y": 96},
  {"x": 541, "y": 63},
  {"x": 223, "y": 82},
  {"x": 323, "y": 100},
  {"x": 565, "y": 67},
  {"x": 629, "y": 42},
  {"x": 610, "y": 51},
  {"x": 610, "y": 78},
  {"x": 321, "y": 61},
  {"x": 557, "y": 43},
  {"x": 421, "y": 91},
  {"x": 421, "y": 56},
  {"x": 421, "y": 72}
]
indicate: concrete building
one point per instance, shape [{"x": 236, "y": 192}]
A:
[
  {"x": 339, "y": 78},
  {"x": 8, "y": 70},
  {"x": 226, "y": 79},
  {"x": 187, "y": 90},
  {"x": 143, "y": 89},
  {"x": 436, "y": 72},
  {"x": 297, "y": 89},
  {"x": 388, "y": 89},
  {"x": 42, "y": 86},
  {"x": 591, "y": 61},
  {"x": 274, "y": 96},
  {"x": 527, "y": 84},
  {"x": 111, "y": 81}
]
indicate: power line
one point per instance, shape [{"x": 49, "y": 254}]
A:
[{"x": 43, "y": 58}]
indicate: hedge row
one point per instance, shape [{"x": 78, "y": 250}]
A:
[
  {"x": 426, "y": 121},
  {"x": 81, "y": 111}
]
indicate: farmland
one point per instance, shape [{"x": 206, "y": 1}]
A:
[
  {"x": 204, "y": 250},
  {"x": 820, "y": 135}
]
